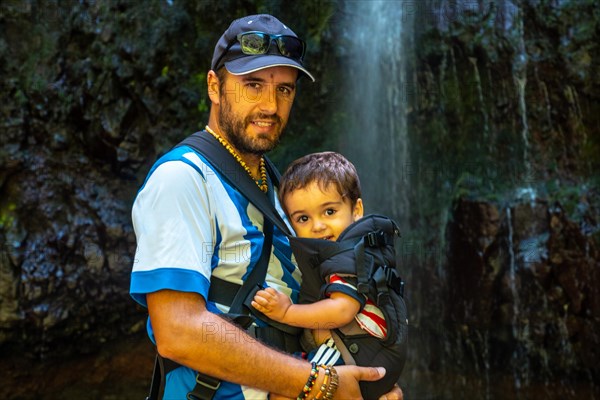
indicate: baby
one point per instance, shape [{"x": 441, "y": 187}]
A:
[{"x": 320, "y": 194}]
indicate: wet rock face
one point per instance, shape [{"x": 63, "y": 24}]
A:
[
  {"x": 64, "y": 215},
  {"x": 505, "y": 115},
  {"x": 67, "y": 257},
  {"x": 92, "y": 100},
  {"x": 524, "y": 291}
]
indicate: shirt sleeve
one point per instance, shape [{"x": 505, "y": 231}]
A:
[
  {"x": 344, "y": 285},
  {"x": 370, "y": 318},
  {"x": 175, "y": 231}
]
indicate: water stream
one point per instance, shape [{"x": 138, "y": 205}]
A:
[
  {"x": 513, "y": 286},
  {"x": 376, "y": 139},
  {"x": 520, "y": 61}
]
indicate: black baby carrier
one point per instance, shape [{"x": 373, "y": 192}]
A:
[{"x": 365, "y": 250}]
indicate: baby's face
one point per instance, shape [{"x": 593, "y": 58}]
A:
[{"x": 320, "y": 214}]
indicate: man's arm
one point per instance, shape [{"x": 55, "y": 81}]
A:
[{"x": 187, "y": 333}]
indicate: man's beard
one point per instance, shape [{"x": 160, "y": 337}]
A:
[{"x": 235, "y": 130}]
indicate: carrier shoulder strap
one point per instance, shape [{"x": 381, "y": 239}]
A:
[
  {"x": 231, "y": 170},
  {"x": 220, "y": 159}
]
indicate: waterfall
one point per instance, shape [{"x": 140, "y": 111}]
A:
[
  {"x": 520, "y": 326},
  {"x": 520, "y": 78},
  {"x": 376, "y": 137},
  {"x": 512, "y": 283}
]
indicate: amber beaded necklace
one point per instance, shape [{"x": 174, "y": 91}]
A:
[{"x": 262, "y": 182}]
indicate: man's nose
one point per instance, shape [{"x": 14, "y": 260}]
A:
[{"x": 268, "y": 100}]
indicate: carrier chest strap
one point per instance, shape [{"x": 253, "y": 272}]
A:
[{"x": 223, "y": 292}]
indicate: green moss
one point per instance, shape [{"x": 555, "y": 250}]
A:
[
  {"x": 578, "y": 200},
  {"x": 202, "y": 105},
  {"x": 199, "y": 79},
  {"x": 7, "y": 215},
  {"x": 20, "y": 97},
  {"x": 165, "y": 71}
]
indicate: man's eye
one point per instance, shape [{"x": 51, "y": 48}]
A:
[{"x": 285, "y": 91}]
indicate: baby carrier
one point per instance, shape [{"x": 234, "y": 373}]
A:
[{"x": 365, "y": 249}]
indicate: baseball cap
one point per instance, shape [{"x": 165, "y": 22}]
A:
[{"x": 228, "y": 51}]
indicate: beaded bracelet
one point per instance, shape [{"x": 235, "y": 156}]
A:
[
  {"x": 330, "y": 383},
  {"x": 333, "y": 385},
  {"x": 314, "y": 373},
  {"x": 323, "y": 388}
]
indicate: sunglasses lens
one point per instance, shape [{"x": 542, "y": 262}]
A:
[
  {"x": 291, "y": 47},
  {"x": 258, "y": 43},
  {"x": 255, "y": 43}
]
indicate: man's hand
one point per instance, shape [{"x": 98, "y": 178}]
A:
[
  {"x": 349, "y": 382},
  {"x": 394, "y": 394},
  {"x": 272, "y": 303}
]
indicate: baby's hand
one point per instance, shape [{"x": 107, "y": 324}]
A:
[{"x": 272, "y": 303}]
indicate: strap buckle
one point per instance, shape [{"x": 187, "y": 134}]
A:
[
  {"x": 251, "y": 330},
  {"x": 393, "y": 280},
  {"x": 208, "y": 382},
  {"x": 363, "y": 288},
  {"x": 205, "y": 389},
  {"x": 375, "y": 239}
]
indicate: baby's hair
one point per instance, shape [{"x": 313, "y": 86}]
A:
[{"x": 325, "y": 168}]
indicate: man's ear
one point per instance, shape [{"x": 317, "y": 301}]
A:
[{"x": 213, "y": 87}]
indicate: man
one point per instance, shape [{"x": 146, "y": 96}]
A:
[{"x": 194, "y": 227}]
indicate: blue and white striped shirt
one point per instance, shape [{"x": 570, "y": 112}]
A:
[{"x": 191, "y": 224}]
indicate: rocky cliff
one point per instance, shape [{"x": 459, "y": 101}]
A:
[
  {"x": 504, "y": 138},
  {"x": 501, "y": 242}
]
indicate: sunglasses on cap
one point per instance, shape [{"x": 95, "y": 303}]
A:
[{"x": 256, "y": 43}]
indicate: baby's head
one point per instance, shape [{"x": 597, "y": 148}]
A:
[{"x": 320, "y": 194}]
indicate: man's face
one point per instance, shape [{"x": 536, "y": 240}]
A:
[{"x": 254, "y": 108}]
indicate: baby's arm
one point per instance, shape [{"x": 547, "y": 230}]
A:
[{"x": 329, "y": 313}]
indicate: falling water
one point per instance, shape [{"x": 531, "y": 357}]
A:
[
  {"x": 520, "y": 330},
  {"x": 376, "y": 141},
  {"x": 484, "y": 114},
  {"x": 513, "y": 288},
  {"x": 520, "y": 77}
]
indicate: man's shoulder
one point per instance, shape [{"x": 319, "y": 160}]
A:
[
  {"x": 180, "y": 162},
  {"x": 181, "y": 156}
]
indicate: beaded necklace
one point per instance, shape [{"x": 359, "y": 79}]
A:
[{"x": 262, "y": 182}]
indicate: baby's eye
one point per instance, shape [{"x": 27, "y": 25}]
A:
[
  {"x": 330, "y": 211},
  {"x": 302, "y": 218}
]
